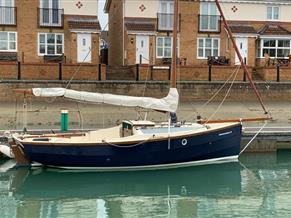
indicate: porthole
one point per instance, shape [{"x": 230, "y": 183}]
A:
[{"x": 184, "y": 142}]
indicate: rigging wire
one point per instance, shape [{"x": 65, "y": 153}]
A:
[
  {"x": 223, "y": 100},
  {"x": 218, "y": 91},
  {"x": 215, "y": 94}
]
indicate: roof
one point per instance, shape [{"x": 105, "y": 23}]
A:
[
  {"x": 140, "y": 24},
  {"x": 273, "y": 30},
  {"x": 242, "y": 29},
  {"x": 84, "y": 24},
  {"x": 140, "y": 27}
]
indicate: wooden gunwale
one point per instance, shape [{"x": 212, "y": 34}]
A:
[{"x": 76, "y": 144}]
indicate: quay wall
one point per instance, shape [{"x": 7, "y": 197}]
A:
[{"x": 189, "y": 91}]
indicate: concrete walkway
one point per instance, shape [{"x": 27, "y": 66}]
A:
[{"x": 46, "y": 115}]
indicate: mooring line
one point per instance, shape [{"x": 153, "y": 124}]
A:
[{"x": 260, "y": 130}]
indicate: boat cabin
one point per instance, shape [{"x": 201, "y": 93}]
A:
[{"x": 127, "y": 126}]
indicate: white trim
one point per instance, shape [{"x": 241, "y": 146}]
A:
[
  {"x": 161, "y": 67},
  {"x": 275, "y": 37},
  {"x": 245, "y": 35},
  {"x": 155, "y": 167},
  {"x": 262, "y": 47},
  {"x": 38, "y": 43},
  {"x": 16, "y": 40},
  {"x": 84, "y": 31},
  {"x": 150, "y": 33}
]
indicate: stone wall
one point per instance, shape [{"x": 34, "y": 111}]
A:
[{"x": 189, "y": 91}]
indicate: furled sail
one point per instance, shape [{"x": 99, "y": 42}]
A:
[{"x": 168, "y": 103}]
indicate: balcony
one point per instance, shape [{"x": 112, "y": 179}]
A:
[
  {"x": 50, "y": 17},
  {"x": 209, "y": 23},
  {"x": 7, "y": 16},
  {"x": 166, "y": 21}
]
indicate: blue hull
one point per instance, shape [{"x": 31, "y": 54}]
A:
[{"x": 218, "y": 144}]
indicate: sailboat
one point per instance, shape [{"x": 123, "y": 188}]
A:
[{"x": 133, "y": 145}]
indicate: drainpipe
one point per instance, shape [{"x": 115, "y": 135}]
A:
[{"x": 123, "y": 33}]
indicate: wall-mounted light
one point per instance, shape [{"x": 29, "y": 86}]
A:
[{"x": 131, "y": 40}]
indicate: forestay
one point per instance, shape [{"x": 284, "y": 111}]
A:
[{"x": 168, "y": 103}]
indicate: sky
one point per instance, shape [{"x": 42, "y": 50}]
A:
[{"x": 102, "y": 17}]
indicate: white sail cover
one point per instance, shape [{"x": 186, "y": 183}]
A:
[{"x": 168, "y": 103}]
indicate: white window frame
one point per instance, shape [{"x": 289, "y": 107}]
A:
[
  {"x": 166, "y": 11},
  {"x": 273, "y": 12},
  {"x": 8, "y": 41},
  {"x": 209, "y": 13},
  {"x": 276, "y": 47},
  {"x": 50, "y": 13},
  {"x": 46, "y": 44},
  {"x": 50, "y": 3},
  {"x": 10, "y": 17},
  {"x": 212, "y": 48},
  {"x": 157, "y": 47}
]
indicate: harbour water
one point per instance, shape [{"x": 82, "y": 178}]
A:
[{"x": 259, "y": 185}]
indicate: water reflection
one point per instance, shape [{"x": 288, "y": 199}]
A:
[{"x": 258, "y": 184}]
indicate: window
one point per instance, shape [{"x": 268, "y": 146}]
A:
[
  {"x": 273, "y": 13},
  {"x": 50, "y": 13},
  {"x": 208, "y": 47},
  {"x": 166, "y": 15},
  {"x": 275, "y": 48},
  {"x": 208, "y": 17},
  {"x": 7, "y": 12},
  {"x": 164, "y": 47},
  {"x": 8, "y": 41},
  {"x": 50, "y": 43}
]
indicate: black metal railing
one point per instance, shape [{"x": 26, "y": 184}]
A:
[
  {"x": 50, "y": 17},
  {"x": 209, "y": 23},
  {"x": 8, "y": 16}
]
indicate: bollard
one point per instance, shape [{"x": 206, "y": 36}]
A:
[{"x": 64, "y": 120}]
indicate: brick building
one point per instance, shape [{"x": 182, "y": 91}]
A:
[
  {"x": 140, "y": 31},
  {"x": 40, "y": 32}
]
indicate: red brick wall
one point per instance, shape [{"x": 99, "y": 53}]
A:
[
  {"x": 50, "y": 71},
  {"x": 270, "y": 73},
  {"x": 192, "y": 73}
]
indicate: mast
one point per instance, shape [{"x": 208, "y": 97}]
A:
[
  {"x": 240, "y": 57},
  {"x": 174, "y": 48}
]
